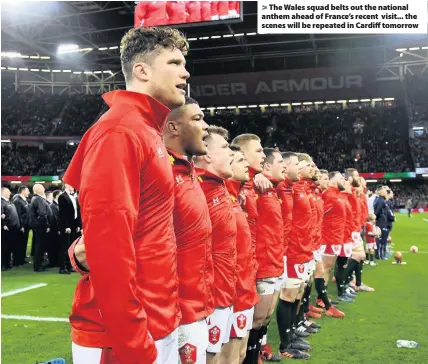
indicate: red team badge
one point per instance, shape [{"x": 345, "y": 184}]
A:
[
  {"x": 348, "y": 251},
  {"x": 187, "y": 354},
  {"x": 301, "y": 268},
  {"x": 214, "y": 335},
  {"x": 241, "y": 321}
]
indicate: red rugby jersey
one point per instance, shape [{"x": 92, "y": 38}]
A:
[
  {"x": 176, "y": 11},
  {"x": 193, "y": 232},
  {"x": 350, "y": 219},
  {"x": 320, "y": 215},
  {"x": 370, "y": 229},
  {"x": 193, "y": 9},
  {"x": 246, "y": 292},
  {"x": 223, "y": 237},
  {"x": 250, "y": 208},
  {"x": 354, "y": 200},
  {"x": 285, "y": 194},
  {"x": 150, "y": 14},
  {"x": 270, "y": 241},
  {"x": 300, "y": 245},
  {"x": 129, "y": 236},
  {"x": 334, "y": 217}
]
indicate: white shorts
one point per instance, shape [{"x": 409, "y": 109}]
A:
[
  {"x": 219, "y": 325},
  {"x": 317, "y": 255},
  {"x": 242, "y": 323},
  {"x": 370, "y": 246},
  {"x": 193, "y": 342},
  {"x": 167, "y": 351},
  {"x": 311, "y": 269},
  {"x": 266, "y": 286},
  {"x": 346, "y": 250},
  {"x": 281, "y": 280},
  {"x": 356, "y": 240}
]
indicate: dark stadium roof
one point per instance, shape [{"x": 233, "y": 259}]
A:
[{"x": 37, "y": 28}]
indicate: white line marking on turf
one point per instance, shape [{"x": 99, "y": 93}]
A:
[
  {"x": 16, "y": 291},
  {"x": 34, "y": 318}
]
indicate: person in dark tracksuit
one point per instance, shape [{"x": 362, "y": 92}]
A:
[
  {"x": 380, "y": 210},
  {"x": 39, "y": 218},
  {"x": 20, "y": 201},
  {"x": 10, "y": 226},
  {"x": 390, "y": 217},
  {"x": 53, "y": 236}
]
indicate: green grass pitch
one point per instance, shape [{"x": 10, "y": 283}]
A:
[{"x": 397, "y": 310}]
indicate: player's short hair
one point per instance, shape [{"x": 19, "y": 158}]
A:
[
  {"x": 56, "y": 193},
  {"x": 323, "y": 171},
  {"x": 380, "y": 188},
  {"x": 331, "y": 175},
  {"x": 176, "y": 113},
  {"x": 304, "y": 157},
  {"x": 372, "y": 217},
  {"x": 138, "y": 43},
  {"x": 48, "y": 193},
  {"x": 287, "y": 155},
  {"x": 270, "y": 154},
  {"x": 22, "y": 188},
  {"x": 235, "y": 148},
  {"x": 214, "y": 129},
  {"x": 3, "y": 188},
  {"x": 349, "y": 172},
  {"x": 244, "y": 139}
]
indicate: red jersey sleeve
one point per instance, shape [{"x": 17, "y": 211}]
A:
[{"x": 109, "y": 222}]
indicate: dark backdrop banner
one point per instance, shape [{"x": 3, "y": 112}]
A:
[{"x": 316, "y": 84}]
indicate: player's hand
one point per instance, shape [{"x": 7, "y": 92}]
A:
[
  {"x": 262, "y": 183},
  {"x": 78, "y": 230},
  {"x": 59, "y": 232},
  {"x": 242, "y": 199},
  {"x": 48, "y": 229},
  {"x": 68, "y": 231},
  {"x": 5, "y": 228},
  {"x": 80, "y": 253},
  {"x": 3, "y": 216},
  {"x": 22, "y": 230}
]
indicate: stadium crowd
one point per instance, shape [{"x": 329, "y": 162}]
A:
[{"x": 201, "y": 240}]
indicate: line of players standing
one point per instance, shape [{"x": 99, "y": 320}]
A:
[{"x": 54, "y": 218}]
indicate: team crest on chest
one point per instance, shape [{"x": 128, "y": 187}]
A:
[
  {"x": 161, "y": 154},
  {"x": 216, "y": 200},
  {"x": 178, "y": 179}
]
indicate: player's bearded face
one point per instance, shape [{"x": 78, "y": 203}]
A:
[
  {"x": 293, "y": 169},
  {"x": 166, "y": 77},
  {"x": 355, "y": 181}
]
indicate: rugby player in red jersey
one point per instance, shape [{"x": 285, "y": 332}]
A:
[
  {"x": 246, "y": 294},
  {"x": 134, "y": 226},
  {"x": 332, "y": 235},
  {"x": 176, "y": 11},
  {"x": 183, "y": 136},
  {"x": 213, "y": 169}
]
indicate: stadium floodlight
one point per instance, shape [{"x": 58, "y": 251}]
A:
[
  {"x": 221, "y": 108},
  {"x": 34, "y": 70},
  {"x": 103, "y": 48},
  {"x": 114, "y": 47},
  {"x": 239, "y": 34},
  {"x": 254, "y": 33},
  {"x": 56, "y": 70},
  {"x": 425, "y": 175},
  {"x": 77, "y": 72},
  {"x": 318, "y": 102},
  {"x": 389, "y": 98},
  {"x": 45, "y": 57},
  {"x": 23, "y": 69},
  {"x": 424, "y": 47},
  {"x": 365, "y": 100},
  {"x": 56, "y": 182},
  {"x": 88, "y": 72},
  {"x": 330, "y": 102},
  {"x": 65, "y": 48},
  {"x": 264, "y": 105},
  {"x": 285, "y": 104},
  {"x": 10, "y": 54},
  {"x": 5, "y": 141},
  {"x": 308, "y": 103},
  {"x": 215, "y": 36},
  {"x": 371, "y": 180},
  {"x": 35, "y": 57},
  {"x": 401, "y": 49},
  {"x": 296, "y": 104},
  {"x": 204, "y": 38},
  {"x": 3, "y": 68},
  {"x": 341, "y": 101},
  {"x": 15, "y": 182},
  {"x": 46, "y": 70},
  {"x": 98, "y": 72},
  {"x": 67, "y": 71},
  {"x": 231, "y": 107},
  {"x": 414, "y": 48},
  {"x": 395, "y": 180},
  {"x": 418, "y": 128},
  {"x": 41, "y": 182},
  {"x": 242, "y": 106},
  {"x": 252, "y": 106},
  {"x": 273, "y": 105},
  {"x": 12, "y": 68},
  {"x": 191, "y": 39},
  {"x": 227, "y": 35},
  {"x": 379, "y": 99},
  {"x": 353, "y": 101}
]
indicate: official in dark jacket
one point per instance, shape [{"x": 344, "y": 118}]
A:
[
  {"x": 380, "y": 210},
  {"x": 20, "y": 201},
  {"x": 10, "y": 228},
  {"x": 39, "y": 220},
  {"x": 70, "y": 224}
]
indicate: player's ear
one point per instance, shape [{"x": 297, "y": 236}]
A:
[
  {"x": 171, "y": 128},
  {"x": 141, "y": 71}
]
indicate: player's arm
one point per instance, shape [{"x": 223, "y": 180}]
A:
[{"x": 109, "y": 220}]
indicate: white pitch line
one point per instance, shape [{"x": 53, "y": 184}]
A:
[
  {"x": 34, "y": 318},
  {"x": 16, "y": 291}
]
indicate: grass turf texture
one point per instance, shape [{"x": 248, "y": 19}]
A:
[{"x": 397, "y": 310}]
